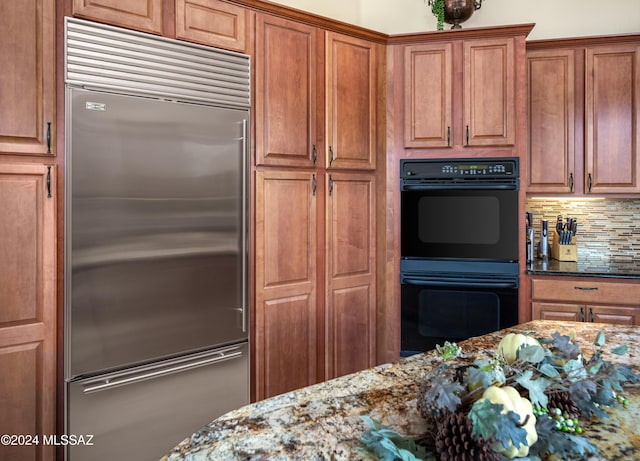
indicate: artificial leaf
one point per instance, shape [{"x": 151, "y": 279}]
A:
[
  {"x": 620, "y": 350},
  {"x": 548, "y": 370},
  {"x": 575, "y": 370},
  {"x": 483, "y": 415},
  {"x": 510, "y": 431},
  {"x": 599, "y": 339},
  {"x": 564, "y": 347},
  {"x": 388, "y": 445},
  {"x": 536, "y": 388},
  {"x": 444, "y": 393},
  {"x": 486, "y": 372},
  {"x": 490, "y": 423},
  {"x": 448, "y": 351},
  {"x": 581, "y": 393},
  {"x": 531, "y": 353}
]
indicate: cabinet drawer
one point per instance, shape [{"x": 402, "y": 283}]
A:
[{"x": 586, "y": 291}]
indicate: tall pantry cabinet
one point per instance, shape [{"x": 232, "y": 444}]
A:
[
  {"x": 27, "y": 226},
  {"x": 315, "y": 204}
]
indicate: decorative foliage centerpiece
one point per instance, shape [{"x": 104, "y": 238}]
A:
[{"x": 525, "y": 400}]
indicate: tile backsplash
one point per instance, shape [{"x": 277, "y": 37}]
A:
[{"x": 608, "y": 229}]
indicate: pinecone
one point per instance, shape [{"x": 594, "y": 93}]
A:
[
  {"x": 455, "y": 441},
  {"x": 564, "y": 402},
  {"x": 429, "y": 408}
]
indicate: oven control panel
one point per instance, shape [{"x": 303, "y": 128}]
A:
[{"x": 460, "y": 168}]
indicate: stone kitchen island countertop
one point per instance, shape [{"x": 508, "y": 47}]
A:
[{"x": 322, "y": 422}]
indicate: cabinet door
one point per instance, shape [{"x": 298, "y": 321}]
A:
[
  {"x": 551, "y": 120},
  {"x": 286, "y": 79},
  {"x": 213, "y": 23},
  {"x": 428, "y": 95},
  {"x": 489, "y": 92},
  {"x": 350, "y": 280},
  {"x": 618, "y": 315},
  {"x": 144, "y": 15},
  {"x": 27, "y": 86},
  {"x": 612, "y": 119},
  {"x": 557, "y": 311},
  {"x": 350, "y": 102},
  {"x": 286, "y": 285},
  {"x": 27, "y": 307}
]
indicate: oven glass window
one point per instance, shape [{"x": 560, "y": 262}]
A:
[
  {"x": 459, "y": 224},
  {"x": 459, "y": 219},
  {"x": 433, "y": 315},
  {"x": 457, "y": 314}
]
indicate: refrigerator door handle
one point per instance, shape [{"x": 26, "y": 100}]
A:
[
  {"x": 143, "y": 376},
  {"x": 245, "y": 220}
]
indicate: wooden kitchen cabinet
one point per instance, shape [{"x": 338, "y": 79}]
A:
[
  {"x": 286, "y": 274},
  {"x": 315, "y": 302},
  {"x": 214, "y": 23},
  {"x": 27, "y": 306},
  {"x": 143, "y": 15},
  {"x": 350, "y": 273},
  {"x": 612, "y": 119},
  {"x": 27, "y": 86},
  {"x": 486, "y": 116},
  {"x": 287, "y": 76},
  {"x": 290, "y": 122},
  {"x": 351, "y": 102},
  {"x": 586, "y": 300},
  {"x": 584, "y": 116},
  {"x": 551, "y": 121}
]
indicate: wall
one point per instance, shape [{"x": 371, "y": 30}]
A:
[
  {"x": 608, "y": 230},
  {"x": 553, "y": 18}
]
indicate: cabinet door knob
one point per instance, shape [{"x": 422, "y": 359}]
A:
[
  {"x": 581, "y": 314},
  {"x": 314, "y": 154},
  {"x": 330, "y": 185},
  {"x": 590, "y": 182},
  {"x": 314, "y": 184},
  {"x": 330, "y": 155}
]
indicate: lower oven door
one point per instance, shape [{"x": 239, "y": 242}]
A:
[{"x": 437, "y": 309}]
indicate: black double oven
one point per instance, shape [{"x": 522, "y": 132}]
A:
[{"x": 459, "y": 269}]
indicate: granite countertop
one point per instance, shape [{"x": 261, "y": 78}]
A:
[
  {"x": 322, "y": 422},
  {"x": 586, "y": 268}
]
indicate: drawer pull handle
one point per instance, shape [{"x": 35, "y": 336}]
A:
[{"x": 586, "y": 288}]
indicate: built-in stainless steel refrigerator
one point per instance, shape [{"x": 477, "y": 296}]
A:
[{"x": 156, "y": 323}]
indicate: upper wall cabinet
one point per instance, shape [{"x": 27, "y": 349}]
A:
[
  {"x": 286, "y": 66},
  {"x": 481, "y": 70},
  {"x": 612, "y": 119},
  {"x": 27, "y": 86},
  {"x": 583, "y": 118},
  {"x": 214, "y": 23},
  {"x": 144, "y": 15},
  {"x": 551, "y": 119},
  {"x": 350, "y": 76},
  {"x": 290, "y": 116}
]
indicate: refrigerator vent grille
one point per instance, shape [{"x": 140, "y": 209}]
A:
[{"x": 114, "y": 59}]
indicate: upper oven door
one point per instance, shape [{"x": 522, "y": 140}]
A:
[{"x": 461, "y": 223}]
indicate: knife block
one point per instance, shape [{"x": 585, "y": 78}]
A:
[{"x": 561, "y": 252}]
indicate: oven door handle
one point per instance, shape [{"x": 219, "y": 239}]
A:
[
  {"x": 462, "y": 186},
  {"x": 459, "y": 282}
]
